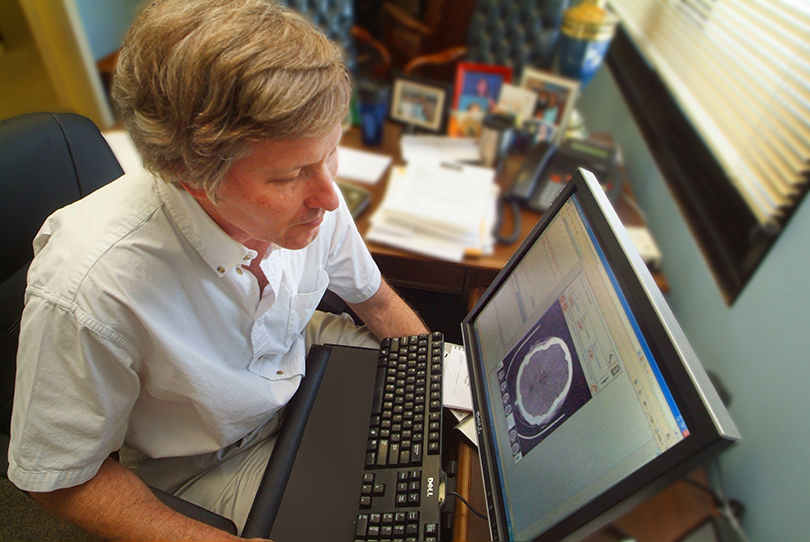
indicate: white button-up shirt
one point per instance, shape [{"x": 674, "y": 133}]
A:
[{"x": 141, "y": 326}]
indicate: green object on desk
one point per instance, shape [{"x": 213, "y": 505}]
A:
[{"x": 357, "y": 198}]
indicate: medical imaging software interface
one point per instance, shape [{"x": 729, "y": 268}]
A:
[{"x": 577, "y": 400}]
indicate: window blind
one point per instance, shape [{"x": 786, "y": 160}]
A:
[{"x": 740, "y": 70}]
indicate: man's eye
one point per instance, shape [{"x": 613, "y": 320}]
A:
[{"x": 285, "y": 179}]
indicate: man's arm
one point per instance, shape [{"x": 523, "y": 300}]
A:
[
  {"x": 116, "y": 504},
  {"x": 387, "y": 315}
]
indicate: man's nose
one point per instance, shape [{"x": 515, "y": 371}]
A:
[{"x": 323, "y": 190}]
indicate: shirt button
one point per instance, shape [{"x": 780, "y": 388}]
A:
[
  {"x": 221, "y": 269},
  {"x": 246, "y": 258},
  {"x": 238, "y": 270},
  {"x": 279, "y": 373}
]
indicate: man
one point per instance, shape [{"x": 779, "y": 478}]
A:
[{"x": 168, "y": 314}]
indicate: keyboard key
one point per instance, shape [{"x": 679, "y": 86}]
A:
[
  {"x": 416, "y": 453},
  {"x": 382, "y": 454},
  {"x": 361, "y": 530},
  {"x": 431, "y": 530}
]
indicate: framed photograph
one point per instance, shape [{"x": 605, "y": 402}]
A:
[
  {"x": 517, "y": 100},
  {"x": 478, "y": 86},
  {"x": 420, "y": 103},
  {"x": 465, "y": 124},
  {"x": 555, "y": 98}
]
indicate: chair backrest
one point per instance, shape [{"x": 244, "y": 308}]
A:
[
  {"x": 335, "y": 18},
  {"x": 47, "y": 161},
  {"x": 515, "y": 33}
]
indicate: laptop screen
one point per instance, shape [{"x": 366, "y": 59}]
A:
[{"x": 585, "y": 389}]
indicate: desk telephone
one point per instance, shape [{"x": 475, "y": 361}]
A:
[{"x": 548, "y": 167}]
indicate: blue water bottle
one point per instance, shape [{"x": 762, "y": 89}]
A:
[
  {"x": 373, "y": 98},
  {"x": 585, "y": 36}
]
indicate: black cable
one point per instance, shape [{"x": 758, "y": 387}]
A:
[
  {"x": 718, "y": 500},
  {"x": 496, "y": 231},
  {"x": 473, "y": 510}
]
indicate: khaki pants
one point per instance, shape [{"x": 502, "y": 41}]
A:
[{"x": 226, "y": 482}]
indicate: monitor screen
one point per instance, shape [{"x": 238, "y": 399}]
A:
[{"x": 585, "y": 389}]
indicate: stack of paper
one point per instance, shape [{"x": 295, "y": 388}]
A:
[
  {"x": 439, "y": 209},
  {"x": 456, "y": 391}
]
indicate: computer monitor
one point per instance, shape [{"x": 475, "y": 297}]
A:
[{"x": 587, "y": 395}]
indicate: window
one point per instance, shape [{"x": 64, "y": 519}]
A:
[{"x": 721, "y": 92}]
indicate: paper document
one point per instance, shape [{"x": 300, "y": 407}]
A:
[
  {"x": 441, "y": 212},
  {"x": 456, "y": 379},
  {"x": 468, "y": 429},
  {"x": 439, "y": 149},
  {"x": 361, "y": 166},
  {"x": 446, "y": 198}
]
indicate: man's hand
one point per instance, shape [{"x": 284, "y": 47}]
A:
[
  {"x": 115, "y": 504},
  {"x": 387, "y": 315}
]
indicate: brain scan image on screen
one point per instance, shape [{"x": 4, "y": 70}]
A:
[{"x": 541, "y": 381}]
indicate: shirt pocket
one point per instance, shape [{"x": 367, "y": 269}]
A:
[{"x": 302, "y": 307}]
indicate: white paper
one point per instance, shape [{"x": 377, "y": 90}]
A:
[
  {"x": 398, "y": 235},
  {"x": 467, "y": 428},
  {"x": 439, "y": 149},
  {"x": 460, "y": 415},
  {"x": 456, "y": 379},
  {"x": 448, "y": 198},
  {"x": 426, "y": 238},
  {"x": 361, "y": 166}
]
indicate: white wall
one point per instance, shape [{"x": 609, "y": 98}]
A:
[{"x": 758, "y": 346}]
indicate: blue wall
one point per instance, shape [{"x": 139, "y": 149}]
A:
[
  {"x": 758, "y": 346},
  {"x": 106, "y": 22}
]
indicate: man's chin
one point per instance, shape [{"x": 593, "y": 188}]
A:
[{"x": 301, "y": 240}]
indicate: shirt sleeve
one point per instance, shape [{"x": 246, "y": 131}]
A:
[
  {"x": 74, "y": 390},
  {"x": 353, "y": 273}
]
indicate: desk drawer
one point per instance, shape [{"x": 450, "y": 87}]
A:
[{"x": 423, "y": 274}]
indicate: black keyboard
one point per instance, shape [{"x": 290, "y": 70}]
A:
[{"x": 400, "y": 486}]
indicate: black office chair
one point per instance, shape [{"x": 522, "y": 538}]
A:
[
  {"x": 365, "y": 57},
  {"x": 513, "y": 33},
  {"x": 48, "y": 161}
]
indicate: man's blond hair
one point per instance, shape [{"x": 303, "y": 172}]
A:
[{"x": 199, "y": 82}]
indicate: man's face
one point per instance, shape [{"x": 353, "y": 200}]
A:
[{"x": 278, "y": 193}]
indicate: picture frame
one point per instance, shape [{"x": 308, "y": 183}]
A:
[
  {"x": 465, "y": 124},
  {"x": 556, "y": 96},
  {"x": 518, "y": 101},
  {"x": 420, "y": 103},
  {"x": 478, "y": 86}
]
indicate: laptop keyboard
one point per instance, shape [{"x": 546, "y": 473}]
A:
[{"x": 400, "y": 485}]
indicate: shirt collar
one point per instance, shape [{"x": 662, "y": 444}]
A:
[{"x": 219, "y": 250}]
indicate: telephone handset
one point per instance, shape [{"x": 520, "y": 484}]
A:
[
  {"x": 546, "y": 170},
  {"x": 548, "y": 167}
]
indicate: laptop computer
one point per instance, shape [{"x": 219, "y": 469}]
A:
[{"x": 587, "y": 399}]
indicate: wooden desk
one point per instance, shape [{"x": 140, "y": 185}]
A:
[{"x": 410, "y": 270}]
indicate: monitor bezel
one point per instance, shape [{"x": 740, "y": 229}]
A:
[{"x": 711, "y": 428}]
